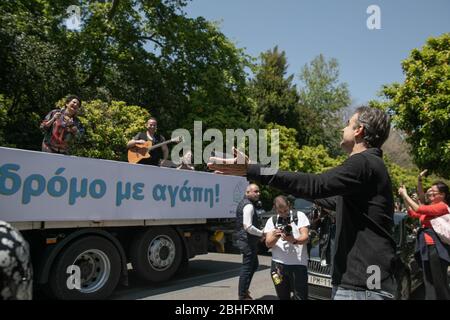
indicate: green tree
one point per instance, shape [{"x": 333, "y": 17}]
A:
[
  {"x": 147, "y": 53},
  {"x": 293, "y": 158},
  {"x": 33, "y": 68},
  {"x": 109, "y": 126},
  {"x": 312, "y": 159},
  {"x": 421, "y": 104},
  {"x": 403, "y": 176},
  {"x": 322, "y": 100},
  {"x": 3, "y": 121},
  {"x": 274, "y": 95}
]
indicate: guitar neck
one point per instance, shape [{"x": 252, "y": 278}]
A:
[{"x": 159, "y": 145}]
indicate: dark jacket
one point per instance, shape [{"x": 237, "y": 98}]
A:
[
  {"x": 421, "y": 252},
  {"x": 362, "y": 197},
  {"x": 241, "y": 233}
]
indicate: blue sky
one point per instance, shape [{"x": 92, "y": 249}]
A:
[{"x": 336, "y": 28}]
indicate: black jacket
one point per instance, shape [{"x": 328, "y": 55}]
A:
[
  {"x": 421, "y": 252},
  {"x": 360, "y": 192},
  {"x": 241, "y": 233}
]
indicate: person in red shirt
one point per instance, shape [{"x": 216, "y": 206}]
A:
[{"x": 432, "y": 253}]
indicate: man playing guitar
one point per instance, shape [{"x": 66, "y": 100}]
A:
[{"x": 156, "y": 154}]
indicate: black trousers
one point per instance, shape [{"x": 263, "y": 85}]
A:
[
  {"x": 294, "y": 279},
  {"x": 250, "y": 264},
  {"x": 435, "y": 276}
]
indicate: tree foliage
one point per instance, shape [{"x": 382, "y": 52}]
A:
[
  {"x": 402, "y": 176},
  {"x": 421, "y": 104},
  {"x": 3, "y": 120},
  {"x": 274, "y": 95},
  {"x": 322, "y": 99},
  {"x": 108, "y": 127},
  {"x": 311, "y": 159},
  {"x": 130, "y": 57},
  {"x": 147, "y": 53}
]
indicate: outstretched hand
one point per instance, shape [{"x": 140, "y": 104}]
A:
[{"x": 236, "y": 166}]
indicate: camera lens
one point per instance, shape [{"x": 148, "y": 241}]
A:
[{"x": 287, "y": 229}]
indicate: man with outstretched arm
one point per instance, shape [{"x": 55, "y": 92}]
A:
[{"x": 360, "y": 192}]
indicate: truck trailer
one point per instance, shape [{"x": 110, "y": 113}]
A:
[{"x": 88, "y": 221}]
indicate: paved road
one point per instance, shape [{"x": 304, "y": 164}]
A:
[{"x": 209, "y": 277}]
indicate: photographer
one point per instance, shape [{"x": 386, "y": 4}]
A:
[{"x": 287, "y": 234}]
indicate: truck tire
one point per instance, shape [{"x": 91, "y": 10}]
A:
[
  {"x": 99, "y": 267},
  {"x": 156, "y": 254}
]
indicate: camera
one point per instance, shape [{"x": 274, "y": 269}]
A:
[
  {"x": 284, "y": 225},
  {"x": 316, "y": 213},
  {"x": 287, "y": 230}
]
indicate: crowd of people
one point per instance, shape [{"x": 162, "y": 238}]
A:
[
  {"x": 357, "y": 195},
  {"x": 360, "y": 194}
]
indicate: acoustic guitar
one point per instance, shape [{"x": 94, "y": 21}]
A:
[{"x": 142, "y": 150}]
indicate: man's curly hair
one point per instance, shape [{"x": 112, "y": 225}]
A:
[{"x": 376, "y": 124}]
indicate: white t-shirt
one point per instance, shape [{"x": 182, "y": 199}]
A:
[{"x": 285, "y": 252}]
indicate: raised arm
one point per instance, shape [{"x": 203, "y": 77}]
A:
[
  {"x": 420, "y": 191},
  {"x": 409, "y": 203}
]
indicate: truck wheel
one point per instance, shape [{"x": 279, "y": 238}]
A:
[
  {"x": 156, "y": 254},
  {"x": 99, "y": 266}
]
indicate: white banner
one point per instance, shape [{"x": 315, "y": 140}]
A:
[{"x": 37, "y": 186}]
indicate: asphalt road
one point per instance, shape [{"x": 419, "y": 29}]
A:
[
  {"x": 213, "y": 276},
  {"x": 210, "y": 277}
]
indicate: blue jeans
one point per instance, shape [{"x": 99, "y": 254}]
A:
[
  {"x": 250, "y": 264},
  {"x": 340, "y": 293}
]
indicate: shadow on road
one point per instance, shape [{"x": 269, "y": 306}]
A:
[
  {"x": 200, "y": 273},
  {"x": 268, "y": 297}
]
